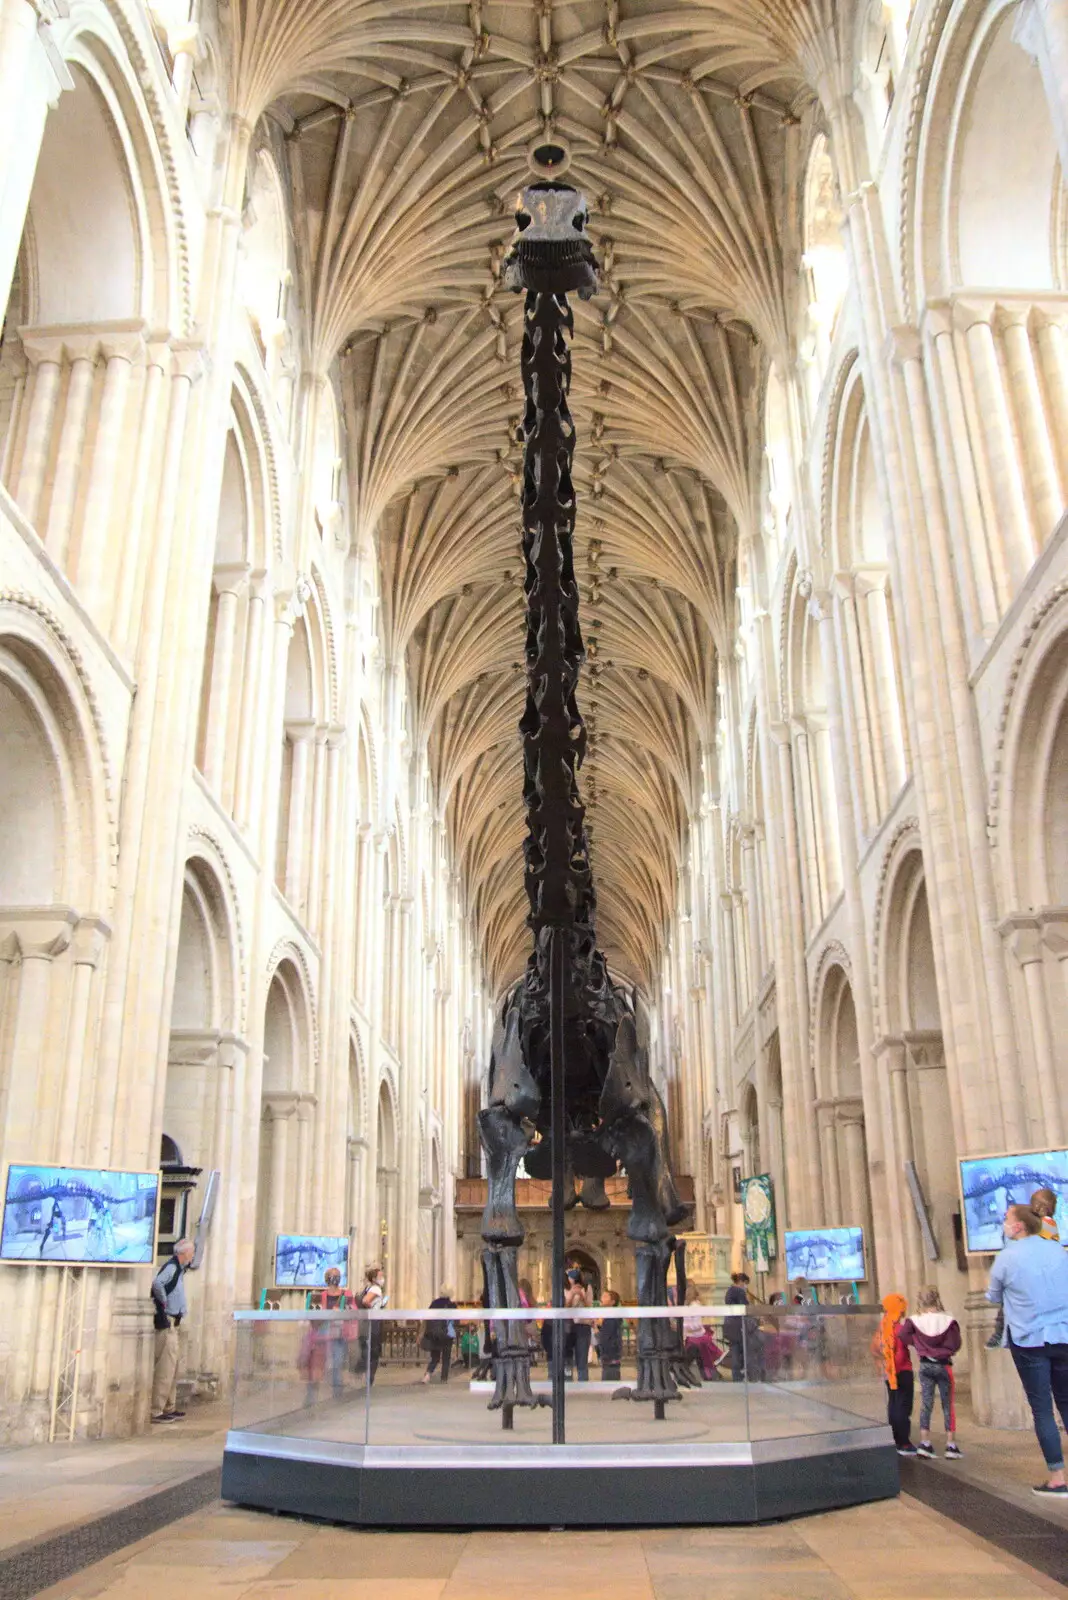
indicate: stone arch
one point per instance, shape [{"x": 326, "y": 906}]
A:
[
  {"x": 387, "y": 1170},
  {"x": 1030, "y": 793},
  {"x": 806, "y": 711},
  {"x": 839, "y": 1106},
  {"x": 751, "y": 1130},
  {"x": 912, "y": 1053},
  {"x": 987, "y": 172},
  {"x": 288, "y": 1023},
  {"x": 98, "y": 202},
  {"x": 266, "y": 277},
  {"x": 859, "y": 540},
  {"x": 233, "y": 662},
  {"x": 824, "y": 264},
  {"x": 904, "y": 843},
  {"x": 908, "y": 988},
  {"x": 287, "y": 1106},
  {"x": 53, "y": 775},
  {"x": 207, "y": 980}
]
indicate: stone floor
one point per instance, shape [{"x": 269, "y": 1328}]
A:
[{"x": 897, "y": 1550}]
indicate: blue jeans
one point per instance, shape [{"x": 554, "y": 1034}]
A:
[{"x": 1043, "y": 1370}]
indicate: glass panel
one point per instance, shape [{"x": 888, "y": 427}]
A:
[
  {"x": 300, "y": 1376},
  {"x": 813, "y": 1370},
  {"x": 767, "y": 1373},
  {"x": 405, "y": 1410}
]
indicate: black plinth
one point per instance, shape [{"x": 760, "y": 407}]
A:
[{"x": 521, "y": 1486}]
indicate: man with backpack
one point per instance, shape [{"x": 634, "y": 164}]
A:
[{"x": 168, "y": 1299}]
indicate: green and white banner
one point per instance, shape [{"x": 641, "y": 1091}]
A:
[{"x": 758, "y": 1211}]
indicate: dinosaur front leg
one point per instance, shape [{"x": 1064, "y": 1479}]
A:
[{"x": 504, "y": 1130}]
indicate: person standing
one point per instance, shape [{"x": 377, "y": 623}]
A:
[
  {"x": 935, "y": 1336},
  {"x": 438, "y": 1336},
  {"x": 168, "y": 1298},
  {"x": 897, "y": 1370},
  {"x": 610, "y": 1340},
  {"x": 1029, "y": 1279},
  {"x": 333, "y": 1336},
  {"x": 371, "y": 1296},
  {"x": 579, "y": 1295},
  {"x": 742, "y": 1335}
]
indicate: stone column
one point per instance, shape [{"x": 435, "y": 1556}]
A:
[
  {"x": 300, "y": 735},
  {"x": 356, "y": 1150},
  {"x": 850, "y": 665},
  {"x": 229, "y": 582},
  {"x": 252, "y": 700},
  {"x": 752, "y": 901},
  {"x": 45, "y": 358},
  {"x": 96, "y": 566},
  {"x": 792, "y": 983},
  {"x": 1045, "y": 488},
  {"x": 87, "y": 951},
  {"x": 891, "y": 1055},
  {"x": 30, "y": 938},
  {"x": 81, "y": 352},
  {"x": 132, "y": 572},
  {"x": 890, "y": 739},
  {"x": 1023, "y": 936},
  {"x": 975, "y": 320},
  {"x": 832, "y": 1184},
  {"x": 983, "y": 577},
  {"x": 315, "y": 831},
  {"x": 1052, "y": 336},
  {"x": 305, "y": 1112},
  {"x": 279, "y": 1111},
  {"x": 850, "y": 1118}
]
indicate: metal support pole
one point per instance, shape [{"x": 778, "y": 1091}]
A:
[{"x": 557, "y": 953}]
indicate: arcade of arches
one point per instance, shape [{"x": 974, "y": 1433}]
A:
[{"x": 260, "y": 612}]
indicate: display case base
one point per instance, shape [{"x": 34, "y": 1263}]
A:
[{"x": 521, "y": 1486}]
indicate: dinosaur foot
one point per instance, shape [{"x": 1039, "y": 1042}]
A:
[{"x": 513, "y": 1384}]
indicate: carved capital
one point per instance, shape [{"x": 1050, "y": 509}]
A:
[
  {"x": 90, "y": 941},
  {"x": 230, "y": 577},
  {"x": 36, "y": 933},
  {"x": 1023, "y": 936}
]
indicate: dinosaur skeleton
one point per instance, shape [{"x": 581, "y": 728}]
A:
[{"x": 570, "y": 1091}]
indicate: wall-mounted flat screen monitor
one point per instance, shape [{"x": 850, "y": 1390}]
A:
[
  {"x": 301, "y": 1260},
  {"x": 989, "y": 1184},
  {"x": 825, "y": 1255},
  {"x": 81, "y": 1215}
]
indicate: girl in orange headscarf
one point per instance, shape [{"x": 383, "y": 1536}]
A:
[{"x": 896, "y": 1361}]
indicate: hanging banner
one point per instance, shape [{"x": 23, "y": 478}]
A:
[{"x": 758, "y": 1212}]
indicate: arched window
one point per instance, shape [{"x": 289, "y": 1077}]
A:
[
  {"x": 825, "y": 266},
  {"x": 266, "y": 279},
  {"x": 778, "y": 472}
]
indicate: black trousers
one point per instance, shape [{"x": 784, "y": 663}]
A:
[
  {"x": 442, "y": 1353},
  {"x": 899, "y": 1408}
]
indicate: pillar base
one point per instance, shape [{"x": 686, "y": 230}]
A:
[{"x": 997, "y": 1396}]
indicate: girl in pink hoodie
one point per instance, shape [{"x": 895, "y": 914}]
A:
[{"x": 936, "y": 1336}]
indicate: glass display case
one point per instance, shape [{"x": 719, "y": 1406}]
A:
[{"x": 780, "y": 1411}]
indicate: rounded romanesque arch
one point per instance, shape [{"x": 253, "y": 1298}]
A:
[{"x": 845, "y": 1175}]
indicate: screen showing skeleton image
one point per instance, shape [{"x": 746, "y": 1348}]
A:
[
  {"x": 87, "y": 1215},
  {"x": 989, "y": 1184},
  {"x": 301, "y": 1260},
  {"x": 825, "y": 1255}
]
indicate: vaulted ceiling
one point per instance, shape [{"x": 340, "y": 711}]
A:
[{"x": 407, "y": 130}]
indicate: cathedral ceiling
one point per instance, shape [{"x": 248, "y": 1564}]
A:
[{"x": 406, "y": 137}]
